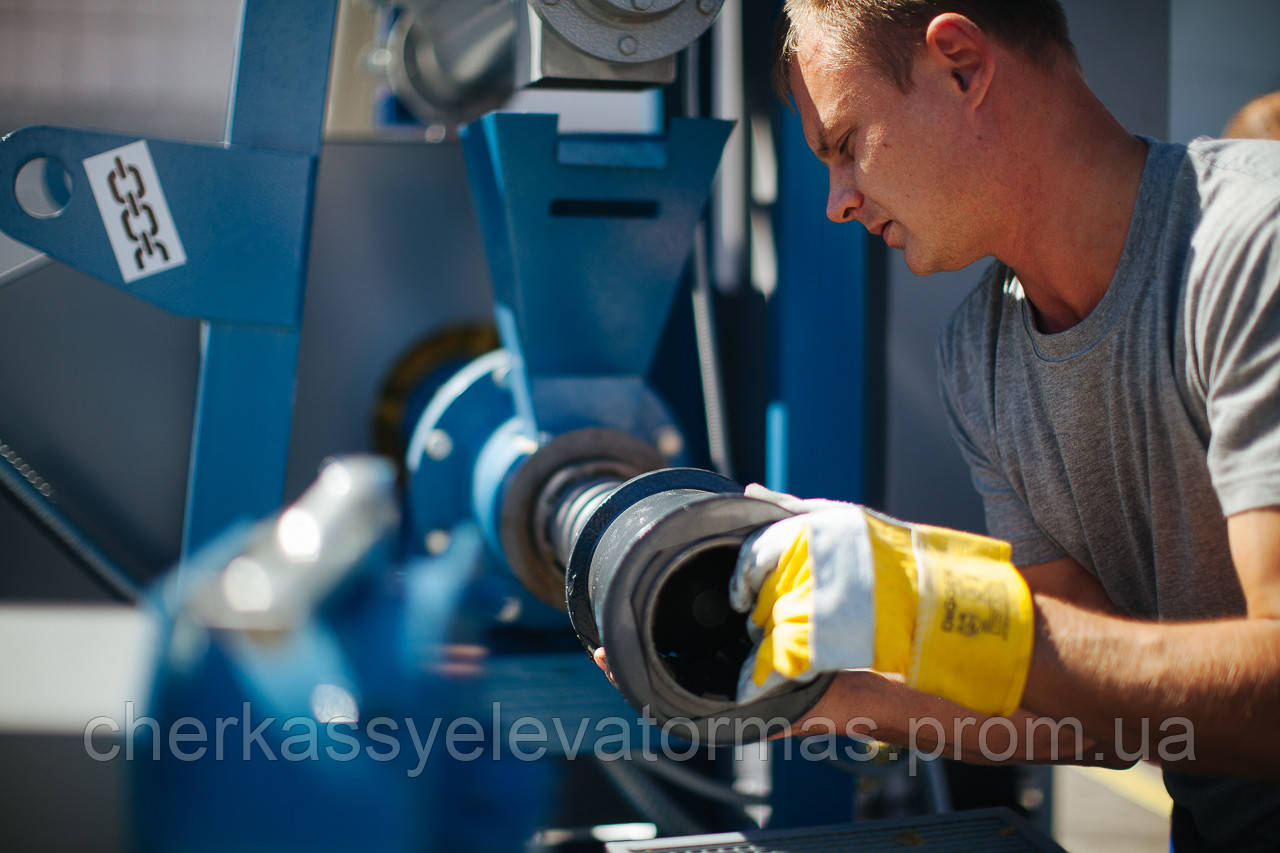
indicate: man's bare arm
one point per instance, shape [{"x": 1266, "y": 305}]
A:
[
  {"x": 1223, "y": 677},
  {"x": 871, "y": 705}
]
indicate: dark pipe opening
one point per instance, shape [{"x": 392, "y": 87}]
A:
[{"x": 700, "y": 639}]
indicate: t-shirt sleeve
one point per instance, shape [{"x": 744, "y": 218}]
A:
[
  {"x": 964, "y": 384},
  {"x": 1236, "y": 343}
]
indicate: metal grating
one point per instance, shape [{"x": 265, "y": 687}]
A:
[
  {"x": 564, "y": 693},
  {"x": 986, "y": 830}
]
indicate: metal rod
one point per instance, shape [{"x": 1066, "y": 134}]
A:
[
  {"x": 24, "y": 269},
  {"x": 704, "y": 327},
  {"x": 704, "y": 321},
  {"x": 34, "y": 499},
  {"x": 575, "y": 506}
]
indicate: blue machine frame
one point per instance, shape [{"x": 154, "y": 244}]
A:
[
  {"x": 587, "y": 233},
  {"x": 243, "y": 211}
]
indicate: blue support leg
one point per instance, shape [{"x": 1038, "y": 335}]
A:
[{"x": 240, "y": 438}]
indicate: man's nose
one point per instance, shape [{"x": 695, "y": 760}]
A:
[{"x": 843, "y": 199}]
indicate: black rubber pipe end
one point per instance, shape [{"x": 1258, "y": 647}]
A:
[{"x": 649, "y": 580}]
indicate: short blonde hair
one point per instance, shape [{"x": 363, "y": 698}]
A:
[{"x": 887, "y": 33}]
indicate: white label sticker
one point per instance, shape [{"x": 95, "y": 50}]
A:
[{"x": 134, "y": 211}]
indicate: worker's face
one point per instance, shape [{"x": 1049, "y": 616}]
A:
[{"x": 892, "y": 158}]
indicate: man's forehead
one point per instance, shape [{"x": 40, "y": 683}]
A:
[{"x": 824, "y": 91}]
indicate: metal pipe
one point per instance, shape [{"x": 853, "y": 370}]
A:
[
  {"x": 33, "y": 495},
  {"x": 704, "y": 320}
]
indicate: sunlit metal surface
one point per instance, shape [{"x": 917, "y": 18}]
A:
[
  {"x": 453, "y": 62},
  {"x": 333, "y": 704}
]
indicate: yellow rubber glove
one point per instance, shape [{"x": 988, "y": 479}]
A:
[{"x": 839, "y": 586}]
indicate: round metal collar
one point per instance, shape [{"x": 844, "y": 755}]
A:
[
  {"x": 632, "y": 31},
  {"x": 592, "y": 450}
]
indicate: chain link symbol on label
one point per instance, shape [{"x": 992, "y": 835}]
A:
[
  {"x": 134, "y": 207},
  {"x": 135, "y": 213}
]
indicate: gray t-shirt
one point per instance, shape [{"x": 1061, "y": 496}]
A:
[{"x": 1125, "y": 441}]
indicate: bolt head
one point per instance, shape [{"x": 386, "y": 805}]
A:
[
  {"x": 627, "y": 45},
  {"x": 437, "y": 542},
  {"x": 510, "y": 611},
  {"x": 669, "y": 441},
  {"x": 439, "y": 445},
  {"x": 706, "y": 7}
]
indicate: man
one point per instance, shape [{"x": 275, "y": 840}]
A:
[
  {"x": 1115, "y": 382},
  {"x": 1114, "y": 385}
]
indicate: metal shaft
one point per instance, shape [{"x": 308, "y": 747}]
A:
[{"x": 574, "y": 506}]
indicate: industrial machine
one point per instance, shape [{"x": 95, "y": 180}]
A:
[{"x": 394, "y": 660}]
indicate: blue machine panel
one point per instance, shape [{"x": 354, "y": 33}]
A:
[
  {"x": 817, "y": 437},
  {"x": 587, "y": 237}
]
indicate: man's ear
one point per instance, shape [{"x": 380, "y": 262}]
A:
[{"x": 959, "y": 48}]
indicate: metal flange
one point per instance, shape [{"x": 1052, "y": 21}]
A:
[
  {"x": 629, "y": 30},
  {"x": 470, "y": 406},
  {"x": 534, "y": 495}
]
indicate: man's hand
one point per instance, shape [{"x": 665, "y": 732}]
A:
[
  {"x": 841, "y": 587},
  {"x": 808, "y": 584}
]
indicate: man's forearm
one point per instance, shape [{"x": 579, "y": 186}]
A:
[
  {"x": 1202, "y": 695},
  {"x": 870, "y": 705},
  {"x": 1102, "y": 690}
]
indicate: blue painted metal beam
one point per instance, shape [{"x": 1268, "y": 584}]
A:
[
  {"x": 243, "y": 415},
  {"x": 240, "y": 439},
  {"x": 816, "y": 435},
  {"x": 282, "y": 75},
  {"x": 242, "y": 216}
]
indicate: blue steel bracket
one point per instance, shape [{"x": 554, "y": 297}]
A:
[
  {"x": 587, "y": 236},
  {"x": 242, "y": 216},
  {"x": 225, "y": 231}
]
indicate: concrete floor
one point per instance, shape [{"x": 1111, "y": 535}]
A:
[{"x": 1120, "y": 811}]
